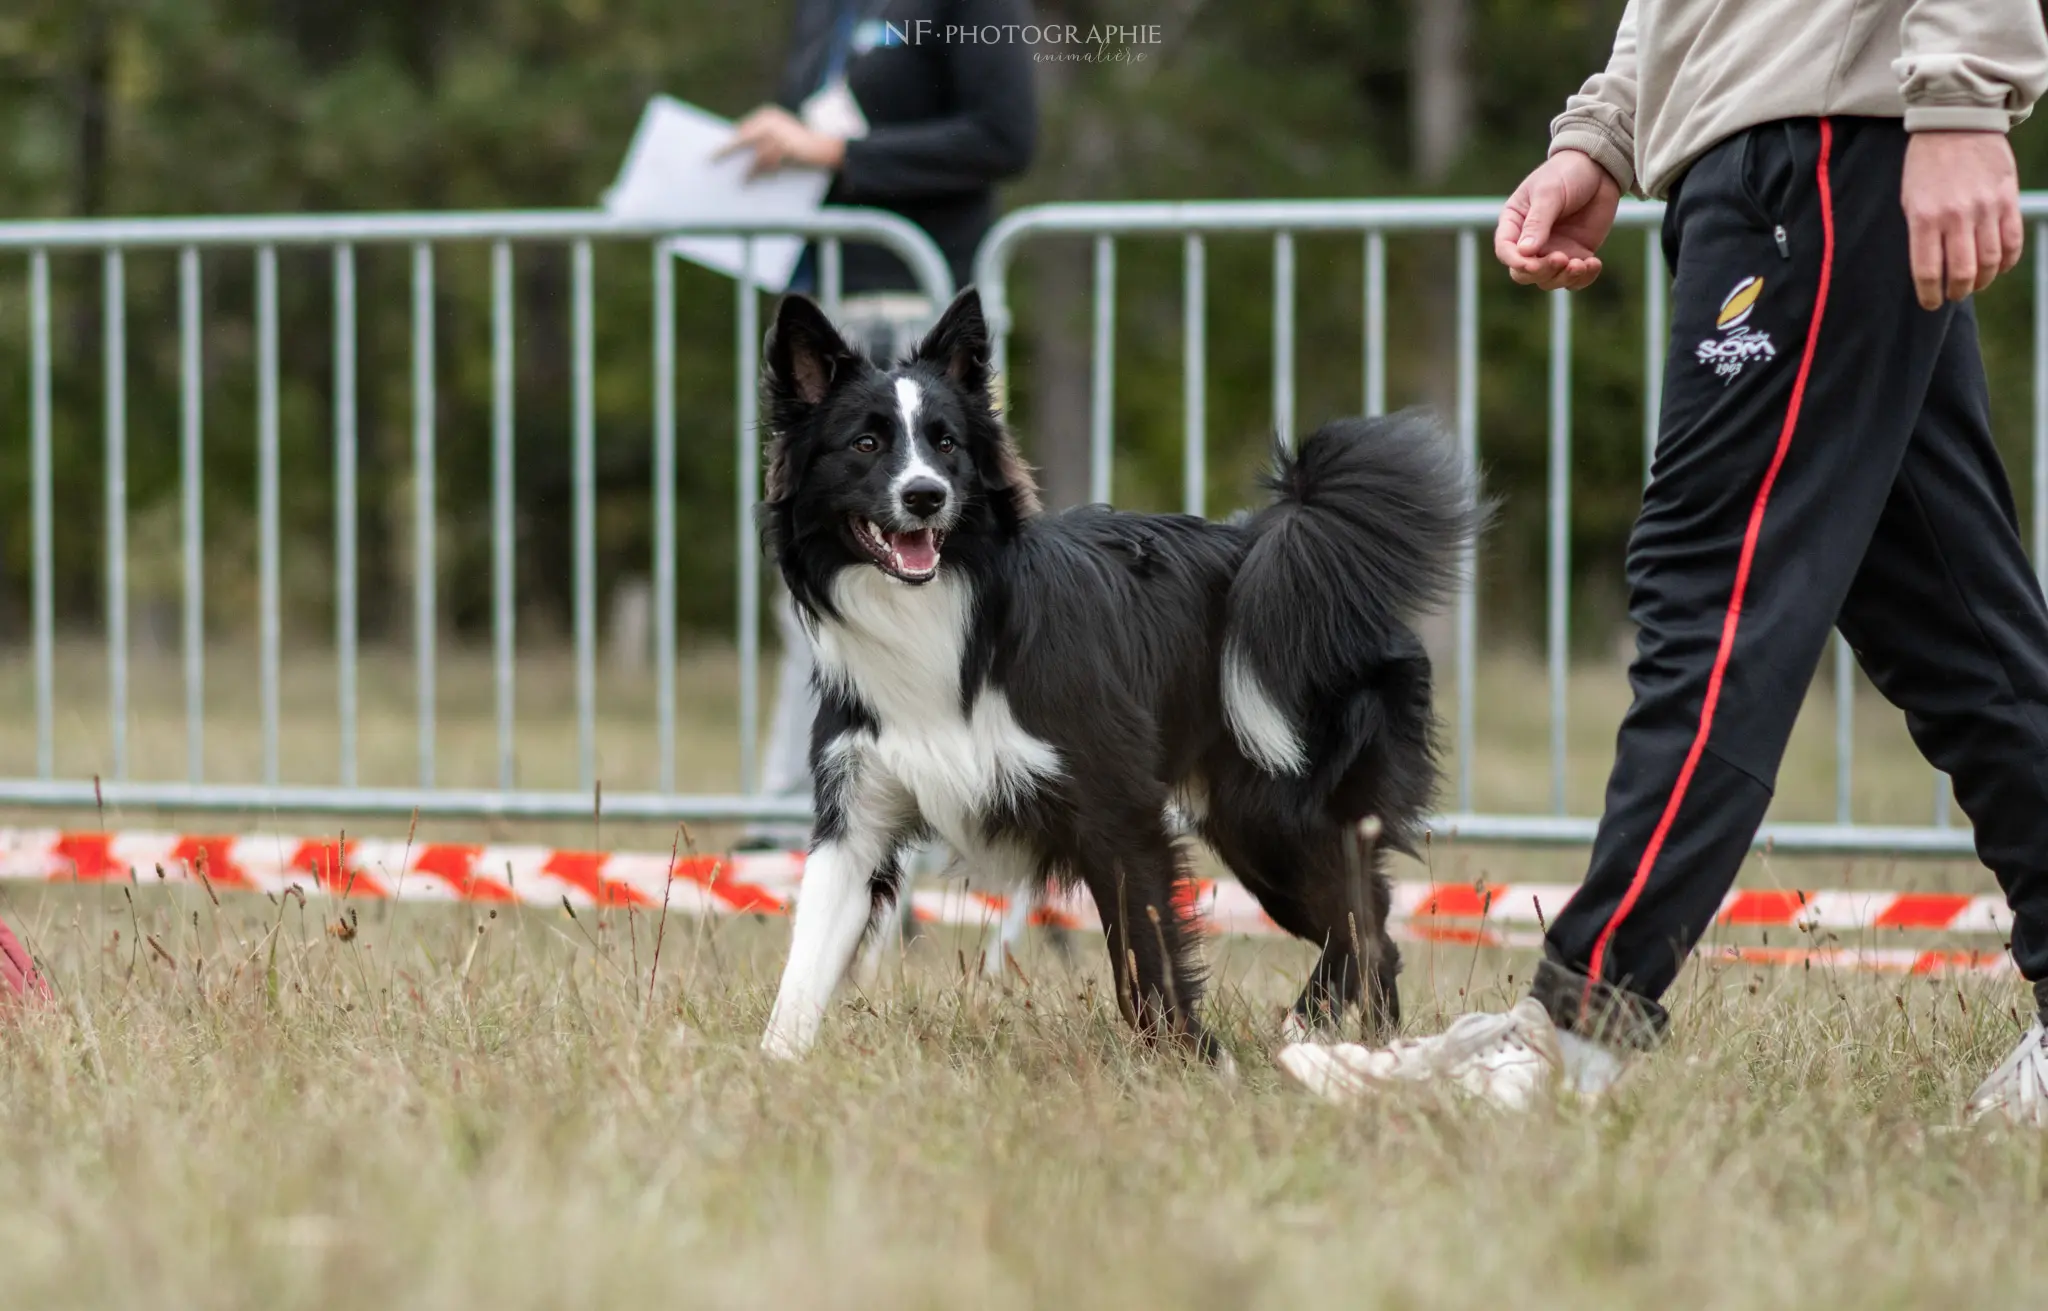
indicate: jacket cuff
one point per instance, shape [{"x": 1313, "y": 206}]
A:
[
  {"x": 1957, "y": 118},
  {"x": 1617, "y": 158}
]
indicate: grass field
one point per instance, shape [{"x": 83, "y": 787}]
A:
[{"x": 253, "y": 1105}]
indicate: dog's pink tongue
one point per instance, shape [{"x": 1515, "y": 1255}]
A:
[{"x": 916, "y": 552}]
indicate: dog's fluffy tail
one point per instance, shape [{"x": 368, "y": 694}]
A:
[{"x": 1368, "y": 527}]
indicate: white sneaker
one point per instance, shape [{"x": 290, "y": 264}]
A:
[
  {"x": 1512, "y": 1060},
  {"x": 2018, "y": 1088}
]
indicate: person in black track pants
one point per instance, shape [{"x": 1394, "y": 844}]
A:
[{"x": 1824, "y": 459}]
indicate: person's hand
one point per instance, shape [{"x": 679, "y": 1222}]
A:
[
  {"x": 1552, "y": 226},
  {"x": 778, "y": 138},
  {"x": 1962, "y": 198}
]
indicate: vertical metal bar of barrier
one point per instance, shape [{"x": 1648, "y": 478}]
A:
[
  {"x": 191, "y": 393},
  {"x": 269, "y": 623},
  {"x": 114, "y": 319},
  {"x": 424, "y": 606},
  {"x": 1845, "y": 729},
  {"x": 504, "y": 601},
  {"x": 831, "y": 279},
  {"x": 749, "y": 464},
  {"x": 583, "y": 386},
  {"x": 345, "y": 505},
  {"x": 40, "y": 514},
  {"x": 1468, "y": 450},
  {"x": 1375, "y": 323},
  {"x": 1283, "y": 336},
  {"x": 1559, "y": 589},
  {"x": 1194, "y": 374},
  {"x": 1654, "y": 348},
  {"x": 665, "y": 503},
  {"x": 1102, "y": 396}
]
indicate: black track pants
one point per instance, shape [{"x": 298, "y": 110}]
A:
[{"x": 1824, "y": 457}]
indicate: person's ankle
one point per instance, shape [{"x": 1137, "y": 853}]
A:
[{"x": 1596, "y": 1011}]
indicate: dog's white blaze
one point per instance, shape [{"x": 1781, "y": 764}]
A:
[
  {"x": 1262, "y": 729},
  {"x": 909, "y": 400},
  {"x": 898, "y": 649}
]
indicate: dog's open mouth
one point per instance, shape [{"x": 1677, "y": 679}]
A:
[{"x": 912, "y": 556}]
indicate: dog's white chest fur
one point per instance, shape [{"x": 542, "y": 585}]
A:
[{"x": 898, "y": 650}]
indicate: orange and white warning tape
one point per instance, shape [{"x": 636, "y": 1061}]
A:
[{"x": 768, "y": 883}]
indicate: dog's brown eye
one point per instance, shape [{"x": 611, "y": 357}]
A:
[
  {"x": 944, "y": 445},
  {"x": 866, "y": 444}
]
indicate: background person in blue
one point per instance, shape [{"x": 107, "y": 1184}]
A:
[{"x": 913, "y": 116}]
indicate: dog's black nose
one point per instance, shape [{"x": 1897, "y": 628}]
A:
[{"x": 924, "y": 497}]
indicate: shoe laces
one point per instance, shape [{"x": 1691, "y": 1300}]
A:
[{"x": 1481, "y": 1031}]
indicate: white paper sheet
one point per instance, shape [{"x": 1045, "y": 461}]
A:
[{"x": 671, "y": 172}]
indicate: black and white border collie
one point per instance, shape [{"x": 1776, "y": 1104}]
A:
[{"x": 1041, "y": 690}]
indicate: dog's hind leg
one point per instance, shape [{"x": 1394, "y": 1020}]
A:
[
  {"x": 1359, "y": 964},
  {"x": 1311, "y": 886},
  {"x": 1158, "y": 981}
]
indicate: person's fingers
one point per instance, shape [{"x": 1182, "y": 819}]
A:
[
  {"x": 1546, "y": 202},
  {"x": 1542, "y": 270},
  {"x": 1507, "y": 232},
  {"x": 1559, "y": 273},
  {"x": 750, "y": 134},
  {"x": 1990, "y": 251},
  {"x": 1959, "y": 253},
  {"x": 1924, "y": 244},
  {"x": 1584, "y": 273},
  {"x": 1504, "y": 247},
  {"x": 2012, "y": 233},
  {"x": 769, "y": 152}
]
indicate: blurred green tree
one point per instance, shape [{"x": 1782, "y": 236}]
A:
[{"x": 240, "y": 106}]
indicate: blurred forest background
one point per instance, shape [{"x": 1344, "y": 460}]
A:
[{"x": 162, "y": 107}]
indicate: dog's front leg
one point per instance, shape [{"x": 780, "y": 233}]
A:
[{"x": 832, "y": 912}]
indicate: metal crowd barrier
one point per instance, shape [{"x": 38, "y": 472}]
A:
[
  {"x": 423, "y": 233},
  {"x": 1468, "y": 220},
  {"x": 1471, "y": 221}
]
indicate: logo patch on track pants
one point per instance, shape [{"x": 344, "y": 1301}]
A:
[{"x": 1731, "y": 352}]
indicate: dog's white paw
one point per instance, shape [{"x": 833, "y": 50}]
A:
[{"x": 781, "y": 1045}]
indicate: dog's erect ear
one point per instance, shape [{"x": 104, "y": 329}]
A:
[
  {"x": 958, "y": 342},
  {"x": 807, "y": 357}
]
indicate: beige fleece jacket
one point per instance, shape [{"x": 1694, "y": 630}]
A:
[{"x": 1686, "y": 74}]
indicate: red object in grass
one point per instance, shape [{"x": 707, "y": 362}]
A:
[{"x": 18, "y": 973}]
